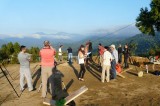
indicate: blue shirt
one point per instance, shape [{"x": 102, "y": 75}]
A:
[{"x": 115, "y": 55}]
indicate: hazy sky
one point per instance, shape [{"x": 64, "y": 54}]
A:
[{"x": 72, "y": 16}]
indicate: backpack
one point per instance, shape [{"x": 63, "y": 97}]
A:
[{"x": 118, "y": 68}]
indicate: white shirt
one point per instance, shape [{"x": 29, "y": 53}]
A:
[
  {"x": 107, "y": 57},
  {"x": 80, "y": 60},
  {"x": 60, "y": 51}
]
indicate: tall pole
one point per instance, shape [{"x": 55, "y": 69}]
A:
[{"x": 9, "y": 81}]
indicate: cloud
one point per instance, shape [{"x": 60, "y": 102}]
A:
[
  {"x": 59, "y": 35},
  {"x": 3, "y": 36},
  {"x": 39, "y": 35},
  {"x": 129, "y": 31},
  {"x": 118, "y": 30}
]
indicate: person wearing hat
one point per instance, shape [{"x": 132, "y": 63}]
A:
[
  {"x": 107, "y": 58},
  {"x": 47, "y": 54},
  {"x": 114, "y": 61}
]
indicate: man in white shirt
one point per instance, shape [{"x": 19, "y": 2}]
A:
[
  {"x": 107, "y": 58},
  {"x": 60, "y": 58}
]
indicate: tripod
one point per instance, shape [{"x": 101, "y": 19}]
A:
[
  {"x": 8, "y": 80},
  {"x": 6, "y": 70}
]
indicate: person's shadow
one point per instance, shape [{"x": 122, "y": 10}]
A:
[
  {"x": 57, "y": 91},
  {"x": 37, "y": 74},
  {"x": 74, "y": 69},
  {"x": 95, "y": 74}
]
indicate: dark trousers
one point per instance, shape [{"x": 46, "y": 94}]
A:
[
  {"x": 120, "y": 57},
  {"x": 113, "y": 69},
  {"x": 126, "y": 62},
  {"x": 82, "y": 71}
]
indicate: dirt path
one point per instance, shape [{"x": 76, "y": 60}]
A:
[{"x": 131, "y": 91}]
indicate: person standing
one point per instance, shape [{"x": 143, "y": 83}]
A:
[
  {"x": 69, "y": 54},
  {"x": 126, "y": 56},
  {"x": 24, "y": 60},
  {"x": 86, "y": 50},
  {"x": 90, "y": 50},
  {"x": 101, "y": 51},
  {"x": 60, "y": 53},
  {"x": 81, "y": 57},
  {"x": 114, "y": 61},
  {"x": 47, "y": 54},
  {"x": 120, "y": 52},
  {"x": 107, "y": 58}
]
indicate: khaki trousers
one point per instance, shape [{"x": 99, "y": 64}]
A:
[
  {"x": 101, "y": 60},
  {"x": 105, "y": 70},
  {"x": 46, "y": 72}
]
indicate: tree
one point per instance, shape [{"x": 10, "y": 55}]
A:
[
  {"x": 152, "y": 52},
  {"x": 3, "y": 54},
  {"x": 148, "y": 22},
  {"x": 10, "y": 49},
  {"x": 16, "y": 47},
  {"x": 35, "y": 53}
]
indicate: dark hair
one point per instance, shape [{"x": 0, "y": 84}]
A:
[
  {"x": 100, "y": 44},
  {"x": 22, "y": 47},
  {"x": 82, "y": 46},
  {"x": 61, "y": 45},
  {"x": 106, "y": 47}
]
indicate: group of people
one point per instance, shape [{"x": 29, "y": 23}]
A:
[
  {"x": 47, "y": 54},
  {"x": 60, "y": 54},
  {"x": 109, "y": 57},
  {"x": 124, "y": 51}
]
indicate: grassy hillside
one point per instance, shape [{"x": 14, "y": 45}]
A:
[{"x": 144, "y": 43}]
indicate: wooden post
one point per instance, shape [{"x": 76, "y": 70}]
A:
[{"x": 69, "y": 98}]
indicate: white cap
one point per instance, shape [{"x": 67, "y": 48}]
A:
[{"x": 113, "y": 46}]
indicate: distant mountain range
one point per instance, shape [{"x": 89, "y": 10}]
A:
[{"x": 144, "y": 42}]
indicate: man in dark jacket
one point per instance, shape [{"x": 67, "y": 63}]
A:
[
  {"x": 126, "y": 56},
  {"x": 120, "y": 51}
]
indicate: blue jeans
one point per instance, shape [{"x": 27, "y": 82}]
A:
[
  {"x": 113, "y": 69},
  {"x": 70, "y": 57}
]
